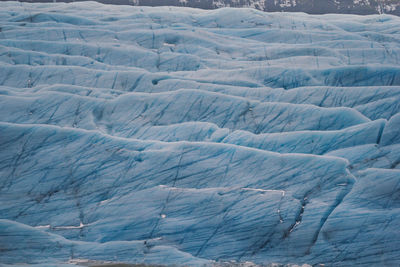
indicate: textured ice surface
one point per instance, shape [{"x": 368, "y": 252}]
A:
[{"x": 189, "y": 137}]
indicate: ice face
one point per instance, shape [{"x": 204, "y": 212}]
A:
[{"x": 180, "y": 136}]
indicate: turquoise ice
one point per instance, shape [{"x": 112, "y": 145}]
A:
[{"x": 190, "y": 137}]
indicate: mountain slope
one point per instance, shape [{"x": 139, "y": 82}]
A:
[{"x": 361, "y": 7}]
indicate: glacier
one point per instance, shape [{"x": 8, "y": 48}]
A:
[{"x": 186, "y": 137}]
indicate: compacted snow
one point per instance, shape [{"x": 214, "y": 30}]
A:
[{"x": 189, "y": 137}]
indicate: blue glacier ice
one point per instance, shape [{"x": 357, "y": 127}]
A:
[{"x": 186, "y": 137}]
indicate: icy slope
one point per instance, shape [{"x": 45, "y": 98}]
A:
[{"x": 190, "y": 137}]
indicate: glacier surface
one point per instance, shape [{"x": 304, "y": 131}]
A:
[{"x": 189, "y": 137}]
